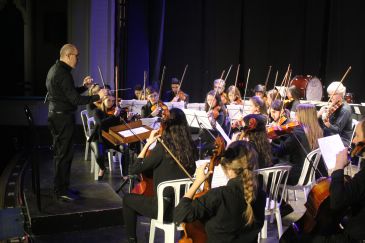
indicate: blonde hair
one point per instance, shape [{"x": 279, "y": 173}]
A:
[
  {"x": 103, "y": 107},
  {"x": 241, "y": 157},
  {"x": 235, "y": 90},
  {"x": 307, "y": 116}
]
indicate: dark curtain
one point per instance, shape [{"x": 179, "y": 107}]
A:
[{"x": 320, "y": 38}]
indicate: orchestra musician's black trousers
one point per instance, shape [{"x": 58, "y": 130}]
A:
[
  {"x": 134, "y": 205},
  {"x": 62, "y": 128}
]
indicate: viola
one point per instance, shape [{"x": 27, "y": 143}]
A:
[
  {"x": 195, "y": 232},
  {"x": 274, "y": 132},
  {"x": 319, "y": 218},
  {"x": 358, "y": 149}
]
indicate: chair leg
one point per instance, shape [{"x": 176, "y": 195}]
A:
[
  {"x": 169, "y": 234},
  {"x": 152, "y": 231},
  {"x": 279, "y": 223},
  {"x": 110, "y": 159},
  {"x": 305, "y": 194},
  {"x": 92, "y": 162},
  {"x": 96, "y": 171},
  {"x": 120, "y": 163},
  {"x": 295, "y": 195},
  {"x": 264, "y": 229},
  {"x": 86, "y": 151}
]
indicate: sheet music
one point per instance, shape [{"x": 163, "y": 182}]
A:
[
  {"x": 129, "y": 133},
  {"x": 196, "y": 106},
  {"x": 219, "y": 178},
  {"x": 223, "y": 133},
  {"x": 198, "y": 119},
  {"x": 180, "y": 105},
  {"x": 330, "y": 146},
  {"x": 151, "y": 122},
  {"x": 235, "y": 112}
]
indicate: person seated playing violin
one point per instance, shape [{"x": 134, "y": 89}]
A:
[
  {"x": 138, "y": 92},
  {"x": 176, "y": 94},
  {"x": 106, "y": 116},
  {"x": 254, "y": 131},
  {"x": 347, "y": 195},
  {"x": 336, "y": 119},
  {"x": 154, "y": 106},
  {"x": 177, "y": 138},
  {"x": 219, "y": 86},
  {"x": 234, "y": 96},
  {"x": 278, "y": 114},
  {"x": 260, "y": 91},
  {"x": 231, "y": 213},
  {"x": 93, "y": 90},
  {"x": 301, "y": 138}
]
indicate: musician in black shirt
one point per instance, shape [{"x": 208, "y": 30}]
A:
[
  {"x": 177, "y": 138},
  {"x": 63, "y": 98}
]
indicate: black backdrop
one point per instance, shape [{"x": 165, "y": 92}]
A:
[{"x": 317, "y": 37}]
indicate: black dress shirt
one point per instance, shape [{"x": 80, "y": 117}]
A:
[{"x": 62, "y": 94}]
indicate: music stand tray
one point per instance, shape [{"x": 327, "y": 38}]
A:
[{"x": 123, "y": 134}]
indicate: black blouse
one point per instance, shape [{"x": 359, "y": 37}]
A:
[{"x": 222, "y": 210}]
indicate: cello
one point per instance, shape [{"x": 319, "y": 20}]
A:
[{"x": 195, "y": 232}]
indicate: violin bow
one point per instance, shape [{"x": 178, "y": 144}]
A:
[
  {"x": 101, "y": 76},
  {"x": 116, "y": 83},
  {"x": 284, "y": 79},
  {"x": 237, "y": 73},
  {"x": 222, "y": 74},
  {"x": 144, "y": 84},
  {"x": 229, "y": 70},
  {"x": 267, "y": 77},
  {"x": 248, "y": 77},
  {"x": 276, "y": 78},
  {"x": 161, "y": 83},
  {"x": 338, "y": 86},
  {"x": 176, "y": 160},
  {"x": 182, "y": 78}
]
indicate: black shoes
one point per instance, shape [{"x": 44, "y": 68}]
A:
[
  {"x": 285, "y": 209},
  {"x": 100, "y": 177}
]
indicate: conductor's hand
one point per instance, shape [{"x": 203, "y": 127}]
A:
[
  {"x": 102, "y": 93},
  {"x": 87, "y": 81}
]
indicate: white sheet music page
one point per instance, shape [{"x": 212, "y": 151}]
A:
[
  {"x": 129, "y": 133},
  {"x": 219, "y": 178},
  {"x": 330, "y": 146}
]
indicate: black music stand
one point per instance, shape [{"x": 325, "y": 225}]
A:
[{"x": 34, "y": 144}]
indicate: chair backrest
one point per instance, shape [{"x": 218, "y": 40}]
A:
[
  {"x": 354, "y": 125},
  {"x": 307, "y": 176},
  {"x": 87, "y": 122},
  {"x": 176, "y": 185},
  {"x": 274, "y": 178}
]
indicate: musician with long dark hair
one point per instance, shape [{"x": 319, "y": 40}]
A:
[
  {"x": 177, "y": 137},
  {"x": 231, "y": 213}
]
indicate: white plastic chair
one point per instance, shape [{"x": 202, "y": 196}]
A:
[
  {"x": 88, "y": 123},
  {"x": 169, "y": 228},
  {"x": 274, "y": 178},
  {"x": 307, "y": 177}
]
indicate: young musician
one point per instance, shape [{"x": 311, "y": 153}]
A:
[
  {"x": 257, "y": 106},
  {"x": 178, "y": 139},
  {"x": 176, "y": 94},
  {"x": 215, "y": 108},
  {"x": 104, "y": 119},
  {"x": 347, "y": 195},
  {"x": 300, "y": 141},
  {"x": 219, "y": 86},
  {"x": 234, "y": 96},
  {"x": 260, "y": 91},
  {"x": 272, "y": 95},
  {"x": 138, "y": 92},
  {"x": 278, "y": 114},
  {"x": 336, "y": 119},
  {"x": 254, "y": 130},
  {"x": 293, "y": 98},
  {"x": 154, "y": 106},
  {"x": 231, "y": 213}
]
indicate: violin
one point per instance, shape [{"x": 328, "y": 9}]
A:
[
  {"x": 160, "y": 105},
  {"x": 358, "y": 149},
  {"x": 195, "y": 232},
  {"x": 331, "y": 109},
  {"x": 274, "y": 132},
  {"x": 180, "y": 96}
]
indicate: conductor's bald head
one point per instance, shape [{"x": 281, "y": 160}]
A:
[{"x": 69, "y": 54}]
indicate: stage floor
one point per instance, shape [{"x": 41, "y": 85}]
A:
[{"x": 92, "y": 191}]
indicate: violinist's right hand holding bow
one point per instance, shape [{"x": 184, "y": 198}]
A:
[
  {"x": 200, "y": 177},
  {"x": 156, "y": 112}
]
